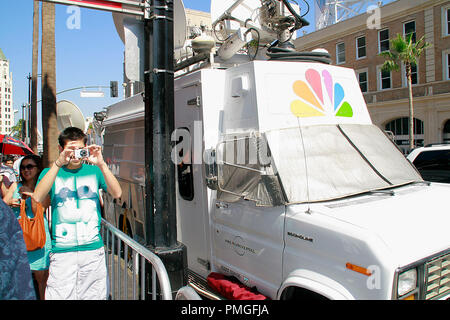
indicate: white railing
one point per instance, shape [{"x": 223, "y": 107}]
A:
[{"x": 127, "y": 261}]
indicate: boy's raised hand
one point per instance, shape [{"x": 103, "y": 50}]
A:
[
  {"x": 95, "y": 155},
  {"x": 67, "y": 153}
]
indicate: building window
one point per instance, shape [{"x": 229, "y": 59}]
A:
[
  {"x": 384, "y": 80},
  {"x": 446, "y": 21},
  {"x": 446, "y": 132},
  {"x": 360, "y": 47},
  {"x": 340, "y": 53},
  {"x": 446, "y": 65},
  {"x": 414, "y": 75},
  {"x": 383, "y": 40},
  {"x": 409, "y": 28},
  {"x": 400, "y": 128},
  {"x": 363, "y": 80}
]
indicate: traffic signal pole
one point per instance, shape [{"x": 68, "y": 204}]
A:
[{"x": 160, "y": 200}]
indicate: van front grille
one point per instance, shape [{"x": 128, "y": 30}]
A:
[{"x": 437, "y": 277}]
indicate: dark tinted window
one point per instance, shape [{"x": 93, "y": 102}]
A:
[
  {"x": 410, "y": 29},
  {"x": 184, "y": 169},
  {"x": 361, "y": 47},
  {"x": 384, "y": 40},
  {"x": 434, "y": 165}
]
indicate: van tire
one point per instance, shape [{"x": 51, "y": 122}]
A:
[{"x": 296, "y": 293}]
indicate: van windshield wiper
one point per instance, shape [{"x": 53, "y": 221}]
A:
[
  {"x": 384, "y": 192},
  {"x": 421, "y": 182}
]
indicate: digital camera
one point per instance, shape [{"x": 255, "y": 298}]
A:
[{"x": 81, "y": 153}]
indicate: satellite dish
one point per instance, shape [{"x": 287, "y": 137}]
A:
[
  {"x": 249, "y": 13},
  {"x": 131, "y": 31},
  {"x": 179, "y": 28},
  {"x": 245, "y": 10},
  {"x": 69, "y": 115}
]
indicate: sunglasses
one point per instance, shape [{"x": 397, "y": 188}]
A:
[{"x": 28, "y": 167}]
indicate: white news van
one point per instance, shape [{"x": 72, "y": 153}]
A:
[{"x": 284, "y": 182}]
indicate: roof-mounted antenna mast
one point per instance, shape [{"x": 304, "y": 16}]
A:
[
  {"x": 329, "y": 12},
  {"x": 237, "y": 23}
]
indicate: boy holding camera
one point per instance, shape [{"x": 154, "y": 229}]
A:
[{"x": 77, "y": 262}]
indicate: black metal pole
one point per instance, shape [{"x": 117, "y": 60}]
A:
[
  {"x": 163, "y": 120},
  {"x": 29, "y": 111},
  {"x": 159, "y": 124},
  {"x": 149, "y": 181}
]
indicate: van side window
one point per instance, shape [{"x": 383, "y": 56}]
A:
[
  {"x": 245, "y": 170},
  {"x": 185, "y": 174}
]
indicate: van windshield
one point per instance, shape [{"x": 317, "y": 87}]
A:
[{"x": 326, "y": 162}]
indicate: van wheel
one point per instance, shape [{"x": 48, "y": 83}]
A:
[{"x": 295, "y": 293}]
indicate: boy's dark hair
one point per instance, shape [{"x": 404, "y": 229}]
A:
[{"x": 71, "y": 134}]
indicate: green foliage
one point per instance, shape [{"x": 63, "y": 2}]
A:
[
  {"x": 403, "y": 50},
  {"x": 16, "y": 130}
]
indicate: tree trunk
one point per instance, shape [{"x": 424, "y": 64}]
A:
[
  {"x": 411, "y": 108},
  {"x": 48, "y": 85},
  {"x": 33, "y": 107}
]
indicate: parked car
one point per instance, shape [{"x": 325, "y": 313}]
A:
[{"x": 432, "y": 161}]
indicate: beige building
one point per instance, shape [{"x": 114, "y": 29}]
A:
[
  {"x": 197, "y": 19},
  {"x": 355, "y": 43},
  {"x": 6, "y": 96}
]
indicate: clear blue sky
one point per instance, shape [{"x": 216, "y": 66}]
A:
[{"x": 89, "y": 56}]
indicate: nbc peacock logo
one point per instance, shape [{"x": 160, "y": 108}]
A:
[{"x": 312, "y": 94}]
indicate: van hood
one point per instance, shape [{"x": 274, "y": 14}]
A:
[{"x": 413, "y": 222}]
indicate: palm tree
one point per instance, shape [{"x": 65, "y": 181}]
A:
[
  {"x": 48, "y": 84},
  {"x": 33, "y": 107},
  {"x": 405, "y": 51},
  {"x": 17, "y": 129}
]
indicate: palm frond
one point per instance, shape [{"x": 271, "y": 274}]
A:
[
  {"x": 403, "y": 50},
  {"x": 390, "y": 65}
]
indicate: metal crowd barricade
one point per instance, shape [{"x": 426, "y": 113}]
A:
[{"x": 127, "y": 261}]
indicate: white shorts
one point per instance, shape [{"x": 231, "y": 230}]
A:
[{"x": 79, "y": 275}]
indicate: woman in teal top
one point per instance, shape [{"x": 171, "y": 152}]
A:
[{"x": 30, "y": 168}]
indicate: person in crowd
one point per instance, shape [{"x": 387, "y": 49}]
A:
[
  {"x": 8, "y": 171},
  {"x": 9, "y": 161},
  {"x": 5, "y": 185},
  {"x": 15, "y": 275},
  {"x": 8, "y": 179},
  {"x": 77, "y": 264},
  {"x": 29, "y": 171}
]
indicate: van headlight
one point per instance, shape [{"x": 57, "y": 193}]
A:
[{"x": 407, "y": 282}]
